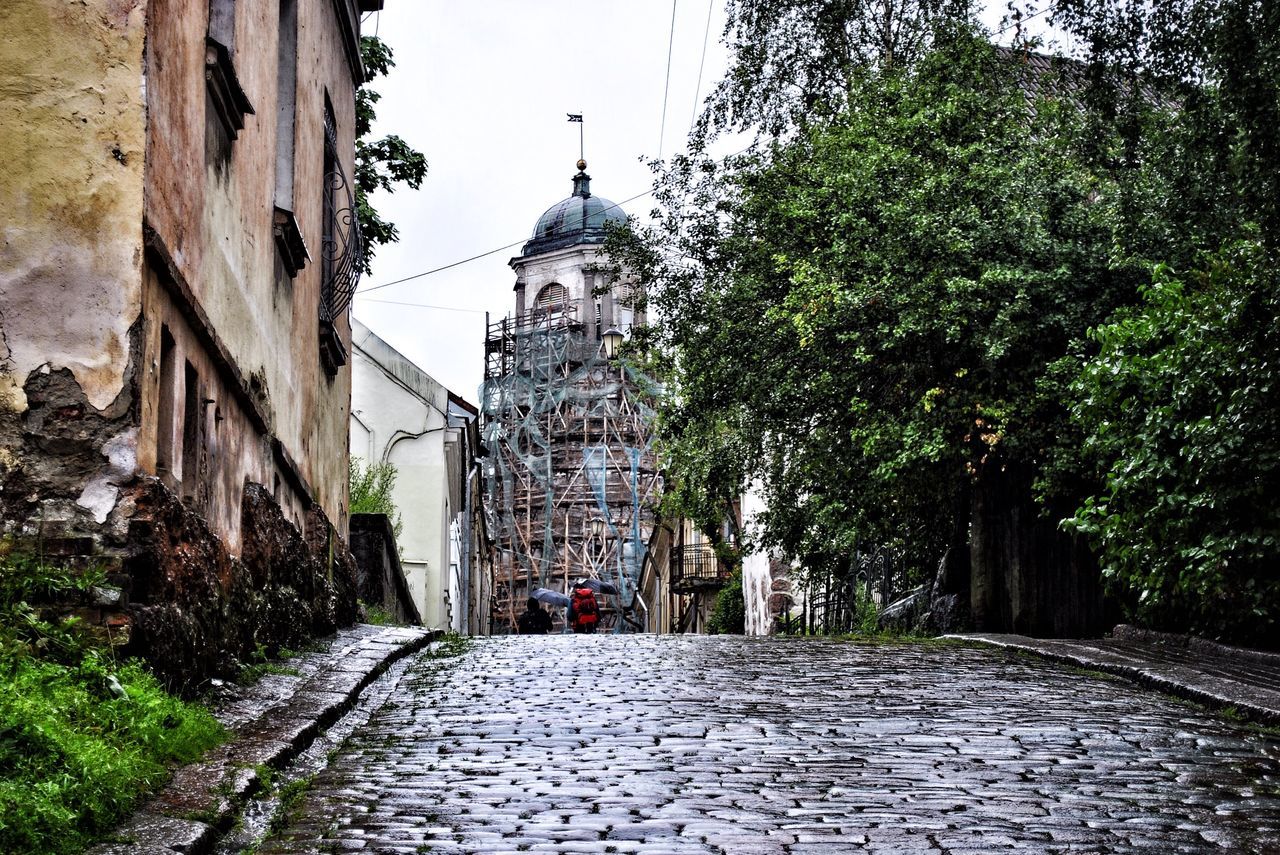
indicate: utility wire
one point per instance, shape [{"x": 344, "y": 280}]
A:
[
  {"x": 1021, "y": 21},
  {"x": 422, "y": 305},
  {"x": 481, "y": 255},
  {"x": 710, "y": 5},
  {"x": 697, "y": 90},
  {"x": 666, "y": 87}
]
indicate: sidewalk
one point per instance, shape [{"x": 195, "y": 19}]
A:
[
  {"x": 1247, "y": 681},
  {"x": 270, "y": 722}
]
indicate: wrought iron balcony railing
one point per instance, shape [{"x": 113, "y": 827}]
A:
[{"x": 696, "y": 567}]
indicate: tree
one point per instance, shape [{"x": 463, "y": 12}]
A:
[
  {"x": 1183, "y": 398},
  {"x": 383, "y": 163},
  {"x": 792, "y": 58},
  {"x": 1176, "y": 411},
  {"x": 1219, "y": 61},
  {"x": 371, "y": 489},
  {"x": 870, "y": 317}
]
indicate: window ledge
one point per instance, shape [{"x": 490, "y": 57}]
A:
[
  {"x": 228, "y": 98},
  {"x": 333, "y": 354},
  {"x": 293, "y": 249}
]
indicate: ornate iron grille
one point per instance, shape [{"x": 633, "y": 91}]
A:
[
  {"x": 342, "y": 248},
  {"x": 695, "y": 567}
]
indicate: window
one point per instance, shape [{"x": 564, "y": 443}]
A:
[
  {"x": 165, "y": 426},
  {"x": 226, "y": 104},
  {"x": 190, "y": 430},
  {"x": 292, "y": 250},
  {"x": 553, "y": 298}
]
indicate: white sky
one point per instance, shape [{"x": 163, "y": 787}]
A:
[{"x": 483, "y": 89}]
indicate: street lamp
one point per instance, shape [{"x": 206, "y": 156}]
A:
[
  {"x": 597, "y": 528},
  {"x": 612, "y": 339}
]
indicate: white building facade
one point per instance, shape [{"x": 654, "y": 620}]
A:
[{"x": 402, "y": 416}]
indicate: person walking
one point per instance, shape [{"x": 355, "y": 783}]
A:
[
  {"x": 534, "y": 621},
  {"x": 584, "y": 611}
]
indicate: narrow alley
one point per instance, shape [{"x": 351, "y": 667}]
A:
[{"x": 645, "y": 744}]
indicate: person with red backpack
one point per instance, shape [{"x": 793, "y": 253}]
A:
[{"x": 584, "y": 611}]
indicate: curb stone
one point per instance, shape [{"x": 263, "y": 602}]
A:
[
  {"x": 202, "y": 800},
  {"x": 1194, "y": 669}
]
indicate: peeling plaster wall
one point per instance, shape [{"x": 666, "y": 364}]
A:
[
  {"x": 213, "y": 217},
  {"x": 72, "y": 129}
]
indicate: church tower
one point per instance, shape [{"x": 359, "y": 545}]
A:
[{"x": 571, "y": 473}]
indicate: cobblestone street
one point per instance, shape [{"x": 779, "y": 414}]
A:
[{"x": 645, "y": 744}]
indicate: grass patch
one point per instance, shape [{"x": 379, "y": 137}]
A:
[
  {"x": 251, "y": 674},
  {"x": 377, "y": 615},
  {"x": 290, "y": 796},
  {"x": 82, "y": 737}
]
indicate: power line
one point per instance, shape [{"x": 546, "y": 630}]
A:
[
  {"x": 421, "y": 305},
  {"x": 1021, "y": 21},
  {"x": 706, "y": 32},
  {"x": 481, "y": 255},
  {"x": 666, "y": 87},
  {"x": 697, "y": 90}
]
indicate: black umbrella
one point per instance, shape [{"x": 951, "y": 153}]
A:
[{"x": 555, "y": 598}]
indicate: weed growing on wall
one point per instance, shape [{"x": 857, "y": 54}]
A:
[{"x": 371, "y": 486}]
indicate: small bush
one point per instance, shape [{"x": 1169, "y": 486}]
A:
[
  {"x": 729, "y": 615},
  {"x": 371, "y": 486}
]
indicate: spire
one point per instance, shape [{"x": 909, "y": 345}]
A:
[{"x": 582, "y": 181}]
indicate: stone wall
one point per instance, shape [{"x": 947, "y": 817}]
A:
[
  {"x": 380, "y": 578},
  {"x": 193, "y": 610}
]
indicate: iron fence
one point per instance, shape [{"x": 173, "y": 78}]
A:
[{"x": 839, "y": 600}]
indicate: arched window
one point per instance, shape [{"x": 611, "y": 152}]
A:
[{"x": 553, "y": 298}]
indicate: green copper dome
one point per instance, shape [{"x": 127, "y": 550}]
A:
[{"x": 579, "y": 219}]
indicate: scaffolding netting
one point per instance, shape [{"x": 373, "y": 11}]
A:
[{"x": 572, "y": 481}]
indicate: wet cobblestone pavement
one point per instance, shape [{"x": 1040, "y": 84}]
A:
[{"x": 643, "y": 744}]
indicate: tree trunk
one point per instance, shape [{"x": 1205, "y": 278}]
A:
[{"x": 1026, "y": 575}]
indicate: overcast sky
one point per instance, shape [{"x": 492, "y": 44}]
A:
[{"x": 483, "y": 89}]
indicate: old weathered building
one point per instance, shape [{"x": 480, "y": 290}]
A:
[
  {"x": 178, "y": 253},
  {"x": 572, "y": 479}
]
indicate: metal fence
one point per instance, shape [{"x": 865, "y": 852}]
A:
[{"x": 838, "y": 600}]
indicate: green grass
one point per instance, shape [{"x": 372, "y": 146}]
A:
[
  {"x": 74, "y": 757},
  {"x": 377, "y": 615}
]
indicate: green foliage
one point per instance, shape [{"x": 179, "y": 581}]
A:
[
  {"x": 371, "y": 487},
  {"x": 1181, "y": 402},
  {"x": 74, "y": 757},
  {"x": 866, "y": 614},
  {"x": 729, "y": 614},
  {"x": 866, "y": 316},
  {"x": 383, "y": 163},
  {"x": 1218, "y": 60},
  {"x": 882, "y": 308},
  {"x": 791, "y": 61},
  {"x": 377, "y": 615}
]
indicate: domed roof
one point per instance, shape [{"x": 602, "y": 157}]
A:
[{"x": 579, "y": 219}]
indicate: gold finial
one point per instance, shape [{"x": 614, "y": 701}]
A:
[{"x": 582, "y": 164}]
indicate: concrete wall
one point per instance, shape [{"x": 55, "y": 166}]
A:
[
  {"x": 379, "y": 575},
  {"x": 72, "y": 135}
]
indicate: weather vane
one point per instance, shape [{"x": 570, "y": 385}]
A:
[{"x": 577, "y": 117}]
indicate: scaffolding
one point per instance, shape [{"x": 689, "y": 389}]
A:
[{"x": 569, "y": 441}]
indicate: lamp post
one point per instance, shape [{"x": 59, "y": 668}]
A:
[{"x": 612, "y": 340}]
